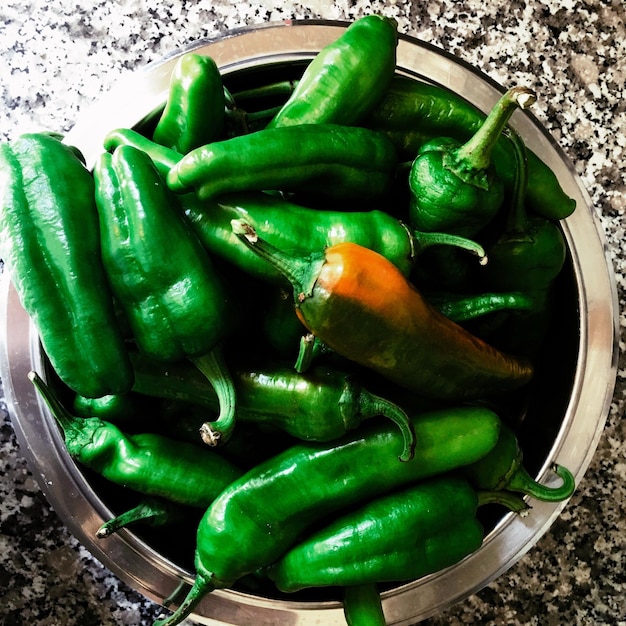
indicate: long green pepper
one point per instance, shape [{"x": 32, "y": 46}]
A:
[
  {"x": 174, "y": 300},
  {"x": 50, "y": 244}
]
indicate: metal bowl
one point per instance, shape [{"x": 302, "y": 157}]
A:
[{"x": 563, "y": 423}]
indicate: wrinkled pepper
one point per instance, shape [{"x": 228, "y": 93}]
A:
[
  {"x": 361, "y": 306},
  {"x": 175, "y": 302},
  {"x": 412, "y": 112},
  {"x": 455, "y": 187},
  {"x": 323, "y": 159},
  {"x": 273, "y": 504},
  {"x": 195, "y": 108},
  {"x": 50, "y": 244},
  {"x": 345, "y": 80}
]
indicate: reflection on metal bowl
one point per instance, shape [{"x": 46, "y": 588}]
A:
[{"x": 562, "y": 424}]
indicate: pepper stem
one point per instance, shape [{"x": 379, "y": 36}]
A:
[
  {"x": 77, "y": 431},
  {"x": 299, "y": 271},
  {"x": 522, "y": 482},
  {"x": 422, "y": 240},
  {"x": 214, "y": 368},
  {"x": 510, "y": 500},
  {"x": 200, "y": 588},
  {"x": 362, "y": 605},
  {"x": 310, "y": 348},
  {"x": 371, "y": 405},
  {"x": 472, "y": 159},
  {"x": 152, "y": 511},
  {"x": 517, "y": 220}
]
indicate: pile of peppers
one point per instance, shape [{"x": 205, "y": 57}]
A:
[{"x": 296, "y": 316}]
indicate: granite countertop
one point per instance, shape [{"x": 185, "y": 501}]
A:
[{"x": 59, "y": 56}]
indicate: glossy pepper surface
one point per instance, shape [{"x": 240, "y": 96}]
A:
[
  {"x": 175, "y": 302},
  {"x": 273, "y": 504},
  {"x": 322, "y": 405},
  {"x": 397, "y": 537},
  {"x": 147, "y": 463},
  {"x": 194, "y": 111},
  {"x": 411, "y": 113},
  {"x": 346, "y": 78},
  {"x": 327, "y": 159},
  {"x": 50, "y": 244},
  {"x": 454, "y": 187},
  {"x": 363, "y": 308}
]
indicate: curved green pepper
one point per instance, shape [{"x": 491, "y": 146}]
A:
[
  {"x": 362, "y": 606},
  {"x": 50, "y": 244},
  {"x": 276, "y": 502},
  {"x": 175, "y": 302},
  {"x": 147, "y": 462},
  {"x": 194, "y": 111},
  {"x": 346, "y": 78},
  {"x": 323, "y": 159},
  {"x": 454, "y": 187},
  {"x": 412, "y": 113},
  {"x": 321, "y": 405}
]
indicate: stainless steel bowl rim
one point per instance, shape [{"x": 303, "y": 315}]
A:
[{"x": 135, "y": 562}]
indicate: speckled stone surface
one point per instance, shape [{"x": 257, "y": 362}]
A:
[{"x": 58, "y": 56}]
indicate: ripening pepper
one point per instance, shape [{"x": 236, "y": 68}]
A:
[
  {"x": 362, "y": 307},
  {"x": 50, "y": 244},
  {"x": 175, "y": 302}
]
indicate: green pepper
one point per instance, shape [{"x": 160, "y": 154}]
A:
[
  {"x": 273, "y": 504},
  {"x": 194, "y": 111},
  {"x": 324, "y": 159},
  {"x": 117, "y": 408},
  {"x": 50, "y": 245},
  {"x": 463, "y": 307},
  {"x": 175, "y": 302},
  {"x": 397, "y": 537},
  {"x": 346, "y": 78},
  {"x": 147, "y": 462},
  {"x": 527, "y": 256},
  {"x": 412, "y": 113},
  {"x": 322, "y": 405},
  {"x": 361, "y": 306},
  {"x": 454, "y": 187},
  {"x": 502, "y": 469}
]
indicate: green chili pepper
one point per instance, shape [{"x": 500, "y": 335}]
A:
[
  {"x": 527, "y": 257},
  {"x": 502, "y": 468},
  {"x": 361, "y": 306},
  {"x": 148, "y": 463},
  {"x": 49, "y": 243},
  {"x": 304, "y": 231},
  {"x": 194, "y": 111},
  {"x": 412, "y": 113},
  {"x": 324, "y": 159},
  {"x": 463, "y": 307},
  {"x": 175, "y": 302},
  {"x": 276, "y": 502},
  {"x": 322, "y": 405},
  {"x": 116, "y": 408},
  {"x": 362, "y": 606},
  {"x": 397, "y": 537},
  {"x": 345, "y": 79},
  {"x": 454, "y": 186},
  {"x": 151, "y": 511}
]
